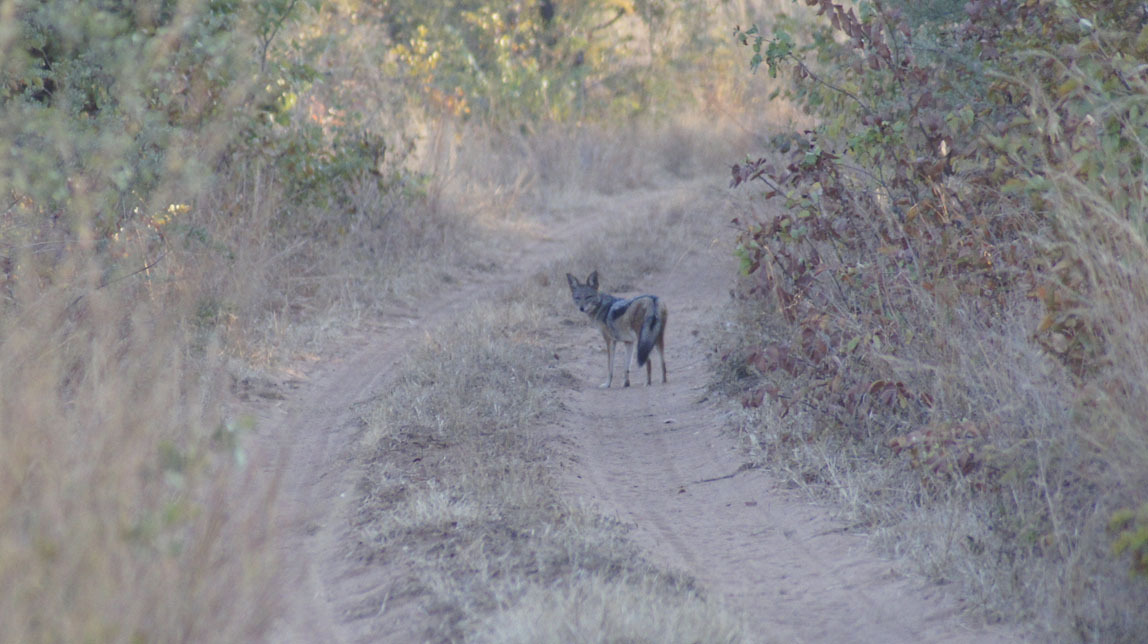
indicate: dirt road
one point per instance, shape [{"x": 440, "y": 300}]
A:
[{"x": 659, "y": 459}]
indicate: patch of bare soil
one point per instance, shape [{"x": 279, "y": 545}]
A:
[{"x": 658, "y": 458}]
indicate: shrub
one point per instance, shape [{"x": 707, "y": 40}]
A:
[
  {"x": 961, "y": 174},
  {"x": 509, "y": 62}
]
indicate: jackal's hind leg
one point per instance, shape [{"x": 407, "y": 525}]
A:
[
  {"x": 661, "y": 345},
  {"x": 629, "y": 361},
  {"x": 609, "y": 364}
]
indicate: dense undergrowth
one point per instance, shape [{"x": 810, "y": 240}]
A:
[{"x": 950, "y": 304}]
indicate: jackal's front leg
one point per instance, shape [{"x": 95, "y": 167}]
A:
[
  {"x": 629, "y": 361},
  {"x": 609, "y": 364}
]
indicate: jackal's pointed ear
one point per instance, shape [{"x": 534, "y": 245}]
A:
[
  {"x": 592, "y": 281},
  {"x": 571, "y": 280}
]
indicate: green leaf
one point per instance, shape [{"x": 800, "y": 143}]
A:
[{"x": 852, "y": 344}]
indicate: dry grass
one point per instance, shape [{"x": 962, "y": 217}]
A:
[
  {"x": 590, "y": 609},
  {"x": 119, "y": 519},
  {"x": 302, "y": 282}
]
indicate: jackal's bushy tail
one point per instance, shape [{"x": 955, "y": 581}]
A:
[{"x": 652, "y": 327}]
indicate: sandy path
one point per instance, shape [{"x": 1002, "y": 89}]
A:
[{"x": 656, "y": 458}]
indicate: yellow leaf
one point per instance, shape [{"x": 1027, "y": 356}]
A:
[
  {"x": 1067, "y": 87},
  {"x": 915, "y": 210},
  {"x": 1141, "y": 45},
  {"x": 1015, "y": 185}
]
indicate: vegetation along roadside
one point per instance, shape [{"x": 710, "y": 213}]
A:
[{"x": 949, "y": 306}]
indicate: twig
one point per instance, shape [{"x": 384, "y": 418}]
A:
[{"x": 745, "y": 467}]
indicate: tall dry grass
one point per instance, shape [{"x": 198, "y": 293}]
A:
[
  {"x": 128, "y": 508},
  {"x": 125, "y": 512}
]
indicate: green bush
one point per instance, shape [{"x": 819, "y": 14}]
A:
[
  {"x": 514, "y": 62},
  {"x": 100, "y": 101},
  {"x": 1131, "y": 528}
]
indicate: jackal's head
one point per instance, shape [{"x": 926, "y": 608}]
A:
[{"x": 585, "y": 295}]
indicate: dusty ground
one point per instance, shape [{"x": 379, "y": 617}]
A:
[{"x": 658, "y": 459}]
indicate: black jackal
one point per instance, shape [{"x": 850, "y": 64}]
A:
[{"x": 640, "y": 320}]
